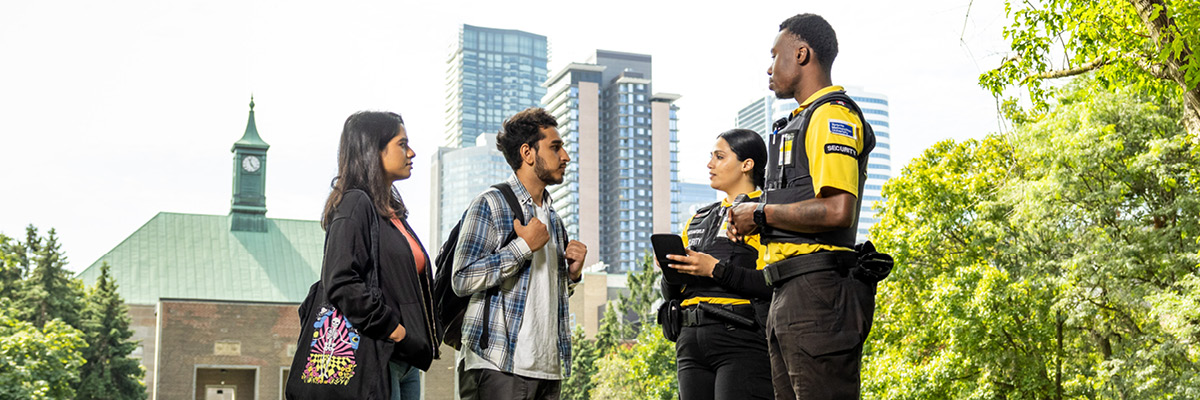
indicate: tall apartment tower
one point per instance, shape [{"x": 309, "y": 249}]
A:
[
  {"x": 491, "y": 75},
  {"x": 621, "y": 185},
  {"x": 760, "y": 114}
]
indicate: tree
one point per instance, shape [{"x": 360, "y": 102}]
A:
[
  {"x": 594, "y": 363},
  {"x": 10, "y": 267},
  {"x": 37, "y": 363},
  {"x": 109, "y": 372},
  {"x": 643, "y": 295},
  {"x": 644, "y": 371},
  {"x": 49, "y": 291},
  {"x": 1151, "y": 44},
  {"x": 1059, "y": 262}
]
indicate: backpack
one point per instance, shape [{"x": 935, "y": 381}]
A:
[{"x": 451, "y": 308}]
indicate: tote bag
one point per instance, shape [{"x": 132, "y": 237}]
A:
[{"x": 333, "y": 359}]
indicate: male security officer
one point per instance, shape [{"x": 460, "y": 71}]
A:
[{"x": 820, "y": 314}]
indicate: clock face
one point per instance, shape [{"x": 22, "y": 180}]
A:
[{"x": 251, "y": 163}]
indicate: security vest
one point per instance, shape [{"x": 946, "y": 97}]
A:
[
  {"x": 705, "y": 234},
  {"x": 788, "y": 179}
]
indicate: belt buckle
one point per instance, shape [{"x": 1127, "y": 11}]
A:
[
  {"x": 691, "y": 317},
  {"x": 770, "y": 273}
]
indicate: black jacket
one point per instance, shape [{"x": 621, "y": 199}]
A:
[{"x": 406, "y": 295}]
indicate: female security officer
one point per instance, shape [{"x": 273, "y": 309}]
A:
[{"x": 721, "y": 349}]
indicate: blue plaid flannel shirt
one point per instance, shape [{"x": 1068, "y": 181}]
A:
[{"x": 481, "y": 263}]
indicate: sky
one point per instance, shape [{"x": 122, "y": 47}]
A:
[{"x": 111, "y": 112}]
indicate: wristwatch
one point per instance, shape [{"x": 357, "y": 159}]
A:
[{"x": 760, "y": 215}]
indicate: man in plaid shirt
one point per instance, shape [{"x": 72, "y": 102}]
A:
[{"x": 527, "y": 351}]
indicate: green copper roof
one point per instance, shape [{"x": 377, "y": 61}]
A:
[
  {"x": 194, "y": 256},
  {"x": 250, "y": 138}
]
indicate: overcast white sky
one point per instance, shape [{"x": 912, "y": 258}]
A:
[{"x": 113, "y": 111}]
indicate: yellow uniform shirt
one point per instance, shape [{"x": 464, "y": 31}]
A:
[{"x": 832, "y": 125}]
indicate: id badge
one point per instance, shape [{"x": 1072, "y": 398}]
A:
[{"x": 785, "y": 151}]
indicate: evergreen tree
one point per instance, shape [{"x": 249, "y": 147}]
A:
[
  {"x": 584, "y": 354},
  {"x": 109, "y": 373},
  {"x": 639, "y": 302},
  {"x": 10, "y": 267},
  {"x": 49, "y": 291}
]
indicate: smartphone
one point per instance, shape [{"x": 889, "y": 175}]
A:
[{"x": 669, "y": 243}]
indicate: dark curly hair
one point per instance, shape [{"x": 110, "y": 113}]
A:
[
  {"x": 524, "y": 127},
  {"x": 817, "y": 32}
]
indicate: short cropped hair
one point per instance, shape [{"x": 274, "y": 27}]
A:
[
  {"x": 817, "y": 32},
  {"x": 523, "y": 128}
]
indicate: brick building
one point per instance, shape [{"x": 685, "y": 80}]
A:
[{"x": 213, "y": 298}]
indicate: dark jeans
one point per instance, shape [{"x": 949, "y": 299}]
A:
[
  {"x": 719, "y": 363},
  {"x": 815, "y": 333},
  {"x": 486, "y": 384}
]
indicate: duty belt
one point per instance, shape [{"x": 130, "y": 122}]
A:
[
  {"x": 704, "y": 313},
  {"x": 794, "y": 266}
]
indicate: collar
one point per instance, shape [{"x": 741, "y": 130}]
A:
[
  {"x": 523, "y": 195},
  {"x": 824, "y": 91},
  {"x": 753, "y": 195}
]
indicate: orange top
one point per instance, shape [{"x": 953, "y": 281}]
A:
[{"x": 418, "y": 259}]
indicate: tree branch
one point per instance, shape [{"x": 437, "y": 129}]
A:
[{"x": 1063, "y": 73}]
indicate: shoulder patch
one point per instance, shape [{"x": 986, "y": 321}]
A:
[
  {"x": 842, "y": 128},
  {"x": 833, "y": 148}
]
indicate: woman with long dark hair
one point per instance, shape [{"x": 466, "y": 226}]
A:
[
  {"x": 721, "y": 350},
  {"x": 374, "y": 153}
]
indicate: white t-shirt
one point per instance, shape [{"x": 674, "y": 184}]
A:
[{"x": 536, "y": 354}]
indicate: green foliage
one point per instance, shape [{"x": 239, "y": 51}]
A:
[
  {"x": 584, "y": 354},
  {"x": 109, "y": 373},
  {"x": 1060, "y": 262},
  {"x": 644, "y": 371},
  {"x": 628, "y": 359},
  {"x": 1151, "y": 45},
  {"x": 38, "y": 363},
  {"x": 49, "y": 348},
  {"x": 10, "y": 267},
  {"x": 49, "y": 291}
]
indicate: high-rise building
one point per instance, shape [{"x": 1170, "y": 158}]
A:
[
  {"x": 762, "y": 113},
  {"x": 621, "y": 185},
  {"x": 692, "y": 196},
  {"x": 458, "y": 175},
  {"x": 491, "y": 75}
]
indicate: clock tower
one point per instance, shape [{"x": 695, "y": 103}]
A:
[{"x": 249, "y": 211}]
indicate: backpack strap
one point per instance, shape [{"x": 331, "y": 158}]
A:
[{"x": 513, "y": 204}]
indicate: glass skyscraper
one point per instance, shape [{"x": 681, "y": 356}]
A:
[
  {"x": 762, "y": 113},
  {"x": 491, "y": 75},
  {"x": 622, "y": 139},
  {"x": 692, "y": 196}
]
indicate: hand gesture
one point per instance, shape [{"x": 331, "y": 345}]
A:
[
  {"x": 741, "y": 221},
  {"x": 576, "y": 252},
  {"x": 535, "y": 234},
  {"x": 694, "y": 263}
]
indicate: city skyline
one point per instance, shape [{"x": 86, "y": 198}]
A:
[{"x": 113, "y": 113}]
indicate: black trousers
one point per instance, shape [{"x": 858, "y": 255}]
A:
[
  {"x": 723, "y": 362},
  {"x": 486, "y": 384},
  {"x": 815, "y": 333}
]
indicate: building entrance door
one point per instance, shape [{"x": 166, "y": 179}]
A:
[{"x": 220, "y": 393}]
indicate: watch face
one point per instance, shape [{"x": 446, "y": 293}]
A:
[{"x": 251, "y": 163}]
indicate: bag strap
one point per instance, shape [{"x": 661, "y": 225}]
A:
[{"x": 373, "y": 273}]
